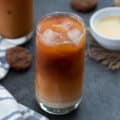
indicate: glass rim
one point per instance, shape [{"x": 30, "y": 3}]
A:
[{"x": 69, "y": 14}]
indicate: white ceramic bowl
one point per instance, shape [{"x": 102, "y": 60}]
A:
[{"x": 108, "y": 43}]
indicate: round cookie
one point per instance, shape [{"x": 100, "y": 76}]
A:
[
  {"x": 117, "y": 2},
  {"x": 84, "y": 5},
  {"x": 19, "y": 58}
]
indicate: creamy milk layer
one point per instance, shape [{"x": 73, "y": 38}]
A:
[{"x": 57, "y": 105}]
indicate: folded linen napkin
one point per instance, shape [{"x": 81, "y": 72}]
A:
[
  {"x": 11, "y": 110},
  {"x": 4, "y": 67}
]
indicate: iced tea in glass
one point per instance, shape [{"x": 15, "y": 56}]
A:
[
  {"x": 60, "y": 46},
  {"x": 16, "y": 18}
]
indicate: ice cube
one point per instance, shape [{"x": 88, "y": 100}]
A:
[
  {"x": 74, "y": 35},
  {"x": 48, "y": 36},
  {"x": 67, "y": 25},
  {"x": 51, "y": 37}
]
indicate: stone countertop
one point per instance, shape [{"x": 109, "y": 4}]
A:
[{"x": 101, "y": 94}]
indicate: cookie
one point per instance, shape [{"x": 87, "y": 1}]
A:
[
  {"x": 117, "y": 2},
  {"x": 84, "y": 5},
  {"x": 19, "y": 58}
]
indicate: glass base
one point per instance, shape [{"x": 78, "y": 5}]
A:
[
  {"x": 6, "y": 43},
  {"x": 21, "y": 40},
  {"x": 59, "y": 111}
]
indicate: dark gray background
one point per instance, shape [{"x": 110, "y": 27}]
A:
[{"x": 101, "y": 99}]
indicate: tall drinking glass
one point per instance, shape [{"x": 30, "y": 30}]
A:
[
  {"x": 60, "y": 45},
  {"x": 16, "y": 19}
]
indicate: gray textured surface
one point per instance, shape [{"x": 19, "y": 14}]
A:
[{"x": 101, "y": 99}]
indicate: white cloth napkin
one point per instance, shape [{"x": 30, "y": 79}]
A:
[
  {"x": 4, "y": 67},
  {"x": 11, "y": 110}
]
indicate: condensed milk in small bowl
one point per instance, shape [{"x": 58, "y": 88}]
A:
[{"x": 105, "y": 27}]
